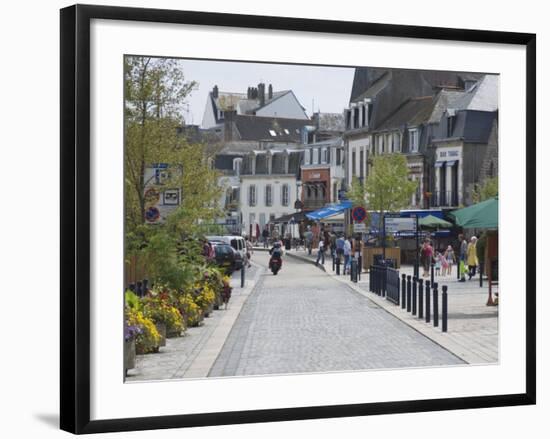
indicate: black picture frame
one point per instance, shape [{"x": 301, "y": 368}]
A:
[{"x": 75, "y": 217}]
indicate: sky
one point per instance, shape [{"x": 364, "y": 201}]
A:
[{"x": 325, "y": 89}]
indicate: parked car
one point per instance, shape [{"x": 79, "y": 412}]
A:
[
  {"x": 225, "y": 256},
  {"x": 237, "y": 242}
]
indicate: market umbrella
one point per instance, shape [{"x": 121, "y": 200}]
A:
[
  {"x": 482, "y": 215},
  {"x": 433, "y": 222}
]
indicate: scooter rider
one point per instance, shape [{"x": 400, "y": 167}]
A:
[{"x": 276, "y": 252}]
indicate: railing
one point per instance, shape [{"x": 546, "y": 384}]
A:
[
  {"x": 416, "y": 296},
  {"x": 444, "y": 199}
]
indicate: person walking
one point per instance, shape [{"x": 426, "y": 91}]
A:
[
  {"x": 249, "y": 251},
  {"x": 321, "y": 253},
  {"x": 339, "y": 248},
  {"x": 347, "y": 254},
  {"x": 472, "y": 257},
  {"x": 426, "y": 256},
  {"x": 309, "y": 239},
  {"x": 357, "y": 251},
  {"x": 450, "y": 258},
  {"x": 462, "y": 248}
]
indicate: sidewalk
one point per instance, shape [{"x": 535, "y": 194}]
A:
[
  {"x": 193, "y": 354},
  {"x": 472, "y": 332}
]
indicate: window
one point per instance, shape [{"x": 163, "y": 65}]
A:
[
  {"x": 353, "y": 164},
  {"x": 361, "y": 164},
  {"x": 324, "y": 155},
  {"x": 335, "y": 192},
  {"x": 364, "y": 116},
  {"x": 285, "y": 194},
  {"x": 268, "y": 195},
  {"x": 273, "y": 133},
  {"x": 338, "y": 157},
  {"x": 315, "y": 153},
  {"x": 237, "y": 164},
  {"x": 380, "y": 140},
  {"x": 252, "y": 195},
  {"x": 307, "y": 156},
  {"x": 328, "y": 155},
  {"x": 356, "y": 117},
  {"x": 413, "y": 140},
  {"x": 450, "y": 125},
  {"x": 348, "y": 119},
  {"x": 396, "y": 142}
]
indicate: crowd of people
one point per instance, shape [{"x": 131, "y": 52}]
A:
[{"x": 465, "y": 257}]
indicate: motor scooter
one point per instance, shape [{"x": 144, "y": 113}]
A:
[{"x": 275, "y": 264}]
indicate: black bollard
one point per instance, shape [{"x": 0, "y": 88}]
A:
[
  {"x": 420, "y": 298},
  {"x": 338, "y": 265},
  {"x": 242, "y": 276},
  {"x": 428, "y": 301},
  {"x": 444, "y": 308},
  {"x": 360, "y": 266},
  {"x": 333, "y": 262},
  {"x": 403, "y": 290},
  {"x": 384, "y": 278},
  {"x": 480, "y": 274},
  {"x": 432, "y": 272},
  {"x": 436, "y": 305},
  {"x": 415, "y": 280},
  {"x": 409, "y": 293}
]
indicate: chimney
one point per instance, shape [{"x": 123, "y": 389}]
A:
[
  {"x": 261, "y": 93},
  {"x": 249, "y": 93},
  {"x": 215, "y": 92},
  {"x": 229, "y": 117},
  {"x": 270, "y": 92}
]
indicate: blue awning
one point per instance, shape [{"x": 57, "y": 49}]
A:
[{"x": 329, "y": 210}]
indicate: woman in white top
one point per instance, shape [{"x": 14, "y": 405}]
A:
[{"x": 347, "y": 254}]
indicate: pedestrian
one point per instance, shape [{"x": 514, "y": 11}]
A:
[
  {"x": 437, "y": 264},
  {"x": 347, "y": 254},
  {"x": 426, "y": 257},
  {"x": 450, "y": 258},
  {"x": 339, "y": 244},
  {"x": 472, "y": 257},
  {"x": 321, "y": 253},
  {"x": 357, "y": 249},
  {"x": 265, "y": 236},
  {"x": 249, "y": 251},
  {"x": 462, "y": 248},
  {"x": 309, "y": 239}
]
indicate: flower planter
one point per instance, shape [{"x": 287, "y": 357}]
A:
[
  {"x": 161, "y": 328},
  {"x": 129, "y": 355}
]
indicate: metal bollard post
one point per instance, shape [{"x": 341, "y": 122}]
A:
[
  {"x": 432, "y": 272},
  {"x": 481, "y": 274},
  {"x": 242, "y": 276},
  {"x": 403, "y": 290},
  {"x": 427, "y": 301},
  {"x": 420, "y": 298},
  {"x": 458, "y": 269},
  {"x": 436, "y": 305},
  {"x": 384, "y": 279},
  {"x": 415, "y": 281},
  {"x": 409, "y": 293},
  {"x": 444, "y": 309},
  {"x": 338, "y": 266},
  {"x": 360, "y": 267},
  {"x": 333, "y": 262}
]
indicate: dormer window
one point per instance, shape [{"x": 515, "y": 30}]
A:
[{"x": 413, "y": 140}]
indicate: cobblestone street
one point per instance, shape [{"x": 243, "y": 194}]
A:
[{"x": 304, "y": 321}]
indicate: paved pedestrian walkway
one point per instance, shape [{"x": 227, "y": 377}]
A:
[
  {"x": 192, "y": 355},
  {"x": 303, "y": 321},
  {"x": 472, "y": 325}
]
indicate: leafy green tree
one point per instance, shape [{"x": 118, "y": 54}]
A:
[
  {"x": 487, "y": 189},
  {"x": 388, "y": 186},
  {"x": 357, "y": 193}
]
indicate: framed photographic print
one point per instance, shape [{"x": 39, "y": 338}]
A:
[{"x": 305, "y": 218}]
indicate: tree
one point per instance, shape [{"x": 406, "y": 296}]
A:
[
  {"x": 357, "y": 193},
  {"x": 155, "y": 90},
  {"x": 388, "y": 186},
  {"x": 487, "y": 189}
]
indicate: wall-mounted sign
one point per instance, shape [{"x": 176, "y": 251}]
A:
[
  {"x": 395, "y": 224},
  {"x": 359, "y": 214},
  {"x": 171, "y": 197}
]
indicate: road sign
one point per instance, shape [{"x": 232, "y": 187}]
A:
[
  {"x": 359, "y": 214},
  {"x": 394, "y": 224},
  {"x": 359, "y": 227}
]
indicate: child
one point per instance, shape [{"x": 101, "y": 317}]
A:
[
  {"x": 450, "y": 256},
  {"x": 444, "y": 264},
  {"x": 437, "y": 264}
]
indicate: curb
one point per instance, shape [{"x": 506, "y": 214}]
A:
[{"x": 304, "y": 259}]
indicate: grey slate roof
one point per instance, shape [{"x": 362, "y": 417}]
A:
[
  {"x": 412, "y": 112},
  {"x": 258, "y": 128},
  {"x": 470, "y": 125},
  {"x": 331, "y": 122},
  {"x": 224, "y": 162}
]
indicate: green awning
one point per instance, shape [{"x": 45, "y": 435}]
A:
[
  {"x": 433, "y": 222},
  {"x": 482, "y": 215}
]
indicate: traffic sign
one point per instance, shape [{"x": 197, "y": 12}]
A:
[
  {"x": 359, "y": 227},
  {"x": 359, "y": 214}
]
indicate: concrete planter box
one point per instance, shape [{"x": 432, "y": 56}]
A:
[
  {"x": 129, "y": 355},
  {"x": 161, "y": 328}
]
